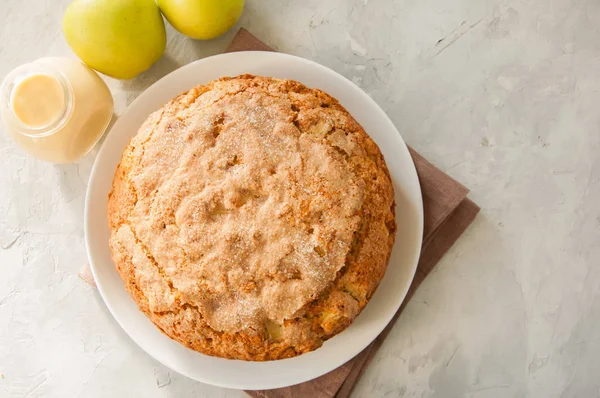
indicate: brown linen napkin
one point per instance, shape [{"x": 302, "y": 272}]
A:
[{"x": 448, "y": 212}]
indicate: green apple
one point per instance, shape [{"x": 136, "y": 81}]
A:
[
  {"x": 202, "y": 19},
  {"x": 120, "y": 38}
]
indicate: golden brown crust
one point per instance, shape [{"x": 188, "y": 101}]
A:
[{"x": 251, "y": 218}]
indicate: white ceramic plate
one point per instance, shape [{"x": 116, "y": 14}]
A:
[{"x": 339, "y": 349}]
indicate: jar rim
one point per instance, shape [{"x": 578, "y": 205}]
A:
[{"x": 18, "y": 75}]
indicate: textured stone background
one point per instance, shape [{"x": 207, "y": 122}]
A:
[{"x": 503, "y": 95}]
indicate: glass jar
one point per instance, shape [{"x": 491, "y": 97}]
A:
[{"x": 55, "y": 108}]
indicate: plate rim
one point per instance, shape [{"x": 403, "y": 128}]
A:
[{"x": 105, "y": 148}]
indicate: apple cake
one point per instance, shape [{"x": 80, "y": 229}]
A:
[{"x": 251, "y": 218}]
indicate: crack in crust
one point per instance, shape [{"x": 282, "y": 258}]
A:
[{"x": 176, "y": 186}]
